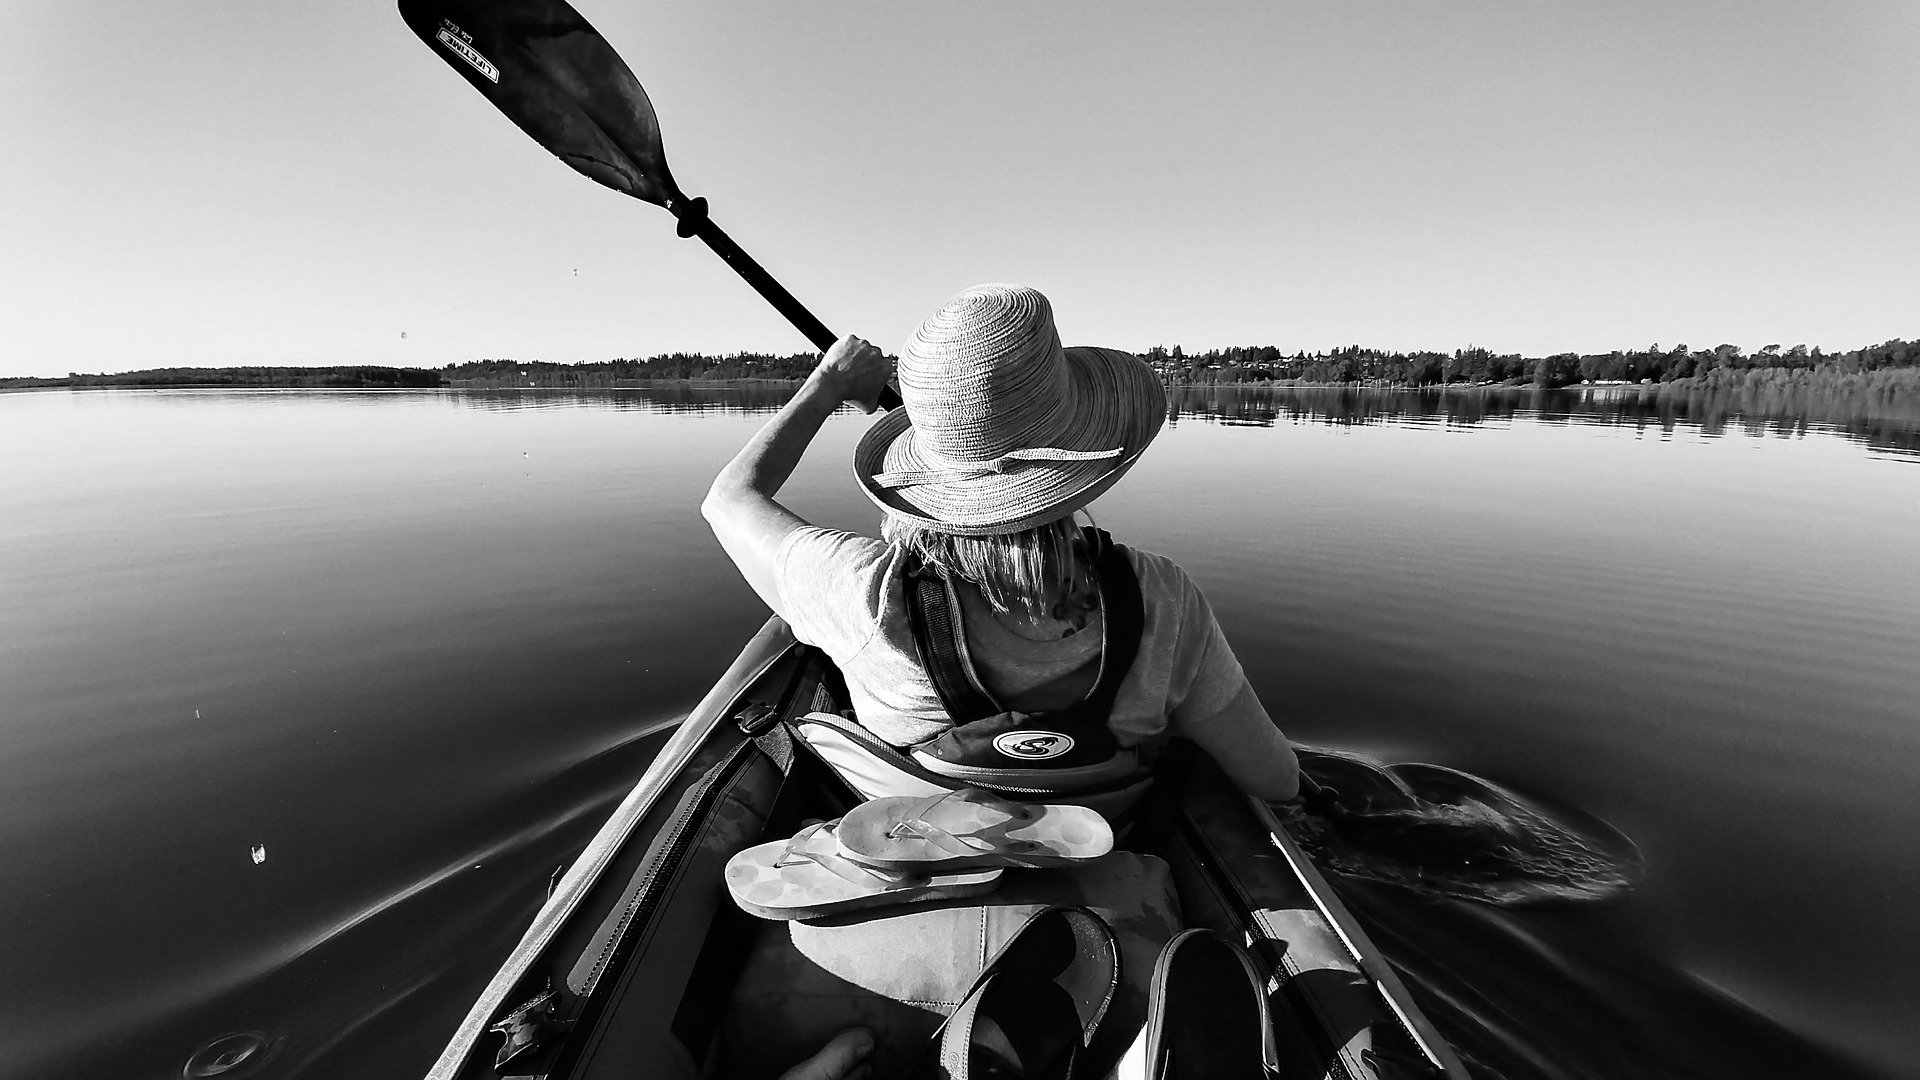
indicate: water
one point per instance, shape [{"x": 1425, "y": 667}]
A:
[{"x": 406, "y": 649}]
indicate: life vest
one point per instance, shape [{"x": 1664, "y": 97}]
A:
[
  {"x": 1061, "y": 755},
  {"x": 989, "y": 745}
]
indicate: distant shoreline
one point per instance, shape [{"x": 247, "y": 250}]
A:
[
  {"x": 330, "y": 379},
  {"x": 95, "y": 382},
  {"x": 1891, "y": 368},
  {"x": 1885, "y": 382}
]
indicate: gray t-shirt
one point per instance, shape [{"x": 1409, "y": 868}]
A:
[{"x": 842, "y": 592}]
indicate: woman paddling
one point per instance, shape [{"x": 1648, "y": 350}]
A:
[{"x": 1004, "y": 437}]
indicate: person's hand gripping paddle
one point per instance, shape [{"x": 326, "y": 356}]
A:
[{"x": 541, "y": 63}]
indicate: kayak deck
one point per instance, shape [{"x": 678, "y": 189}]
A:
[{"x": 631, "y": 967}]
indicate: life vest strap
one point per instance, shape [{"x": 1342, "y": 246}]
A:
[{"x": 939, "y": 637}]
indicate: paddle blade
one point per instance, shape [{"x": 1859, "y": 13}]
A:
[{"x": 541, "y": 63}]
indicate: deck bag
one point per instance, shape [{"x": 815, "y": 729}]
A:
[
  {"x": 1059, "y": 756},
  {"x": 902, "y": 971}
]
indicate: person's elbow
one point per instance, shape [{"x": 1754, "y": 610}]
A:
[{"x": 723, "y": 501}]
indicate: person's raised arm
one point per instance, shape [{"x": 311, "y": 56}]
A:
[{"x": 740, "y": 506}]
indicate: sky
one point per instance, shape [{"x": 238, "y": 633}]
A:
[{"x": 211, "y": 182}]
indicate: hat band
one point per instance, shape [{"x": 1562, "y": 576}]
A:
[{"x": 1006, "y": 462}]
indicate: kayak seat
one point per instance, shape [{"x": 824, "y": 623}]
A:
[{"x": 901, "y": 971}]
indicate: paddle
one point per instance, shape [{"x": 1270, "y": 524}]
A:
[{"x": 542, "y": 64}]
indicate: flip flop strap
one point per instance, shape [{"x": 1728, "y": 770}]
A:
[
  {"x": 938, "y": 837},
  {"x": 914, "y": 822},
  {"x": 979, "y": 797},
  {"x": 839, "y": 866}
]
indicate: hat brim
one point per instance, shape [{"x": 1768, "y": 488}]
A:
[{"x": 1115, "y": 401}]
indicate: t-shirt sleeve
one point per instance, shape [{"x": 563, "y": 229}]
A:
[
  {"x": 1207, "y": 680},
  {"x": 832, "y": 585}
]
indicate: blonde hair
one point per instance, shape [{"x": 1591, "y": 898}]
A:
[{"x": 1035, "y": 572}]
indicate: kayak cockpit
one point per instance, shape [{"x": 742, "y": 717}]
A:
[{"x": 640, "y": 964}]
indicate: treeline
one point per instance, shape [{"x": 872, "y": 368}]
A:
[
  {"x": 1256, "y": 364},
  {"x": 1356, "y": 364},
  {"x": 609, "y": 374},
  {"x": 358, "y": 376},
  {"x": 1787, "y": 404}
]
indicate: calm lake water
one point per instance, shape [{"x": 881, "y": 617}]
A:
[{"x": 303, "y": 696}]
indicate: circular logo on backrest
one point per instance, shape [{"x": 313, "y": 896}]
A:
[{"x": 1033, "y": 745}]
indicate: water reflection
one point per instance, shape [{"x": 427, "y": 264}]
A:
[
  {"x": 739, "y": 398},
  {"x": 411, "y": 642},
  {"x": 1879, "y": 422}
]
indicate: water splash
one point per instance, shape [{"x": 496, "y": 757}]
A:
[{"x": 1442, "y": 832}]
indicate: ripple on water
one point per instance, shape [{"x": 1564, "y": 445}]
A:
[{"x": 243, "y": 1053}]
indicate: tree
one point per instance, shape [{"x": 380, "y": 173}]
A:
[
  {"x": 1473, "y": 363},
  {"x": 1560, "y": 369}
]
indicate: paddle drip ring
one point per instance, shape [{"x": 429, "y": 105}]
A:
[{"x": 691, "y": 213}]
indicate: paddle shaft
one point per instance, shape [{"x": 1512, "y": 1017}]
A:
[
  {"x": 694, "y": 221},
  {"x": 1372, "y": 963},
  {"x": 764, "y": 284}
]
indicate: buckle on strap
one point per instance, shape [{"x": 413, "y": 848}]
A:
[{"x": 756, "y": 719}]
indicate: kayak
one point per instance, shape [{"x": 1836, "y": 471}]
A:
[{"x": 631, "y": 967}]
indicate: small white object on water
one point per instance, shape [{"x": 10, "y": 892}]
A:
[
  {"x": 259, "y": 854},
  {"x": 196, "y": 714}
]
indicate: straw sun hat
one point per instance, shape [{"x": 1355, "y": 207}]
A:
[{"x": 1003, "y": 429}]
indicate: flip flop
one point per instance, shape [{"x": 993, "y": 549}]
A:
[
  {"x": 969, "y": 828},
  {"x": 805, "y": 877}
]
